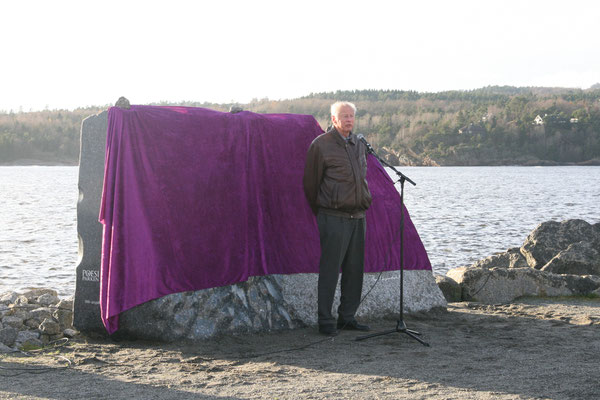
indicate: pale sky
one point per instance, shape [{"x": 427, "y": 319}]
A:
[{"x": 68, "y": 54}]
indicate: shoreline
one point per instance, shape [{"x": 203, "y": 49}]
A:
[{"x": 504, "y": 351}]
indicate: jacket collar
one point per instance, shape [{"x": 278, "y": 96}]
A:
[{"x": 340, "y": 139}]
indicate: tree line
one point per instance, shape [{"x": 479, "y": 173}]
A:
[
  {"x": 487, "y": 126},
  {"x": 50, "y": 136}
]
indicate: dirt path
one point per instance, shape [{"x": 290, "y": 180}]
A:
[{"x": 535, "y": 348}]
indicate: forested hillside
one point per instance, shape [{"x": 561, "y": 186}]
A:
[
  {"x": 46, "y": 137},
  {"x": 488, "y": 126}
]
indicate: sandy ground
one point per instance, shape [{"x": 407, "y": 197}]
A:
[{"x": 533, "y": 348}]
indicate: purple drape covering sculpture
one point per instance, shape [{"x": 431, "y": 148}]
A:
[{"x": 195, "y": 198}]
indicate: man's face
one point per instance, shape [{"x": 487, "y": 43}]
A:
[{"x": 344, "y": 121}]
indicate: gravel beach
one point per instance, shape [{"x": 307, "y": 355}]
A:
[{"x": 529, "y": 349}]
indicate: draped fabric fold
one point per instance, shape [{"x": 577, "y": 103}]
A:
[{"x": 195, "y": 198}]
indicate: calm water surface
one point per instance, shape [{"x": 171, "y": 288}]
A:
[
  {"x": 463, "y": 214},
  {"x": 38, "y": 231}
]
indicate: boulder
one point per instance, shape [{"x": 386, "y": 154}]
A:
[
  {"x": 49, "y": 327},
  {"x": 47, "y": 299},
  {"x": 13, "y": 321},
  {"x": 502, "y": 285},
  {"x": 512, "y": 258},
  {"x": 64, "y": 318},
  {"x": 21, "y": 311},
  {"x": 449, "y": 287},
  {"x": 8, "y": 335},
  {"x": 39, "y": 314},
  {"x": 65, "y": 304},
  {"x": 70, "y": 333},
  {"x": 28, "y": 338},
  {"x": 32, "y": 323},
  {"x": 33, "y": 294},
  {"x": 8, "y": 298},
  {"x": 550, "y": 238},
  {"x": 581, "y": 285},
  {"x": 581, "y": 258},
  {"x": 5, "y": 349}
]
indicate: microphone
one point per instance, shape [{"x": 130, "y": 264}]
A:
[{"x": 370, "y": 149}]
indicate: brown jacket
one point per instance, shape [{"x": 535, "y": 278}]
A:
[{"x": 335, "y": 176}]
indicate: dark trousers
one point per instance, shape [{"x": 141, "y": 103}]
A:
[{"x": 342, "y": 244}]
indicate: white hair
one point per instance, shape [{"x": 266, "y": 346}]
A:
[{"x": 335, "y": 107}]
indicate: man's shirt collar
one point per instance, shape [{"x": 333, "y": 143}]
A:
[{"x": 350, "y": 139}]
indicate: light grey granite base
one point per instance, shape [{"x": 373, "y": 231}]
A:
[{"x": 421, "y": 293}]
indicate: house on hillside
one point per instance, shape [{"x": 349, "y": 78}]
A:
[
  {"x": 538, "y": 120},
  {"x": 486, "y": 117},
  {"x": 554, "y": 119},
  {"x": 471, "y": 129}
]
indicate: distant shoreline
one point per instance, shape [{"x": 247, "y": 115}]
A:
[{"x": 25, "y": 162}]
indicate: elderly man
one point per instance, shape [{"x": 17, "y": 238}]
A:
[{"x": 336, "y": 188}]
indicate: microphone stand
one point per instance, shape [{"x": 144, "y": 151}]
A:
[{"x": 400, "y": 324}]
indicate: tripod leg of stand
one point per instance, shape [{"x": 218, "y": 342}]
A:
[
  {"x": 375, "y": 334},
  {"x": 414, "y": 336},
  {"x": 401, "y": 328}
]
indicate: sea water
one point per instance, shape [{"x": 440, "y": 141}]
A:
[{"x": 462, "y": 214}]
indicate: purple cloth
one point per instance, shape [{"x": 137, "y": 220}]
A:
[{"x": 195, "y": 198}]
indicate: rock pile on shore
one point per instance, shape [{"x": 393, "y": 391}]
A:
[
  {"x": 556, "y": 259},
  {"x": 33, "y": 319}
]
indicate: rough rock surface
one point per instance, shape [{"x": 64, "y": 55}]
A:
[
  {"x": 9, "y": 297},
  {"x": 89, "y": 230},
  {"x": 581, "y": 258},
  {"x": 551, "y": 237},
  {"x": 512, "y": 258},
  {"x": 33, "y": 318},
  {"x": 252, "y": 306},
  {"x": 449, "y": 287},
  {"x": 33, "y": 295},
  {"x": 49, "y": 327},
  {"x": 31, "y": 338},
  {"x": 421, "y": 293},
  {"x": 267, "y": 303},
  {"x": 8, "y": 335},
  {"x": 47, "y": 299},
  {"x": 501, "y": 285},
  {"x": 557, "y": 258}
]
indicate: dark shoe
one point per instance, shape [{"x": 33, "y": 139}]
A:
[
  {"x": 352, "y": 326},
  {"x": 328, "y": 330}
]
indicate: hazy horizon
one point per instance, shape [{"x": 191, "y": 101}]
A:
[
  {"x": 65, "y": 54},
  {"x": 286, "y": 99}
]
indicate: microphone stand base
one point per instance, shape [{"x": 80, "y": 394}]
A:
[{"x": 400, "y": 328}]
